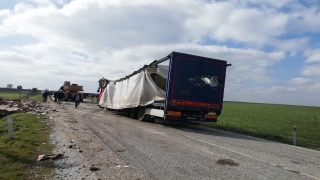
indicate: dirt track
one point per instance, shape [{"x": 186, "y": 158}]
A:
[{"x": 101, "y": 144}]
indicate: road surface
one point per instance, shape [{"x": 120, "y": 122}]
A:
[{"x": 100, "y": 144}]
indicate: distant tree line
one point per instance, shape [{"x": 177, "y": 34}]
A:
[{"x": 10, "y": 86}]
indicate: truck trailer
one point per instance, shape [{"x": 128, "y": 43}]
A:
[{"x": 178, "y": 87}]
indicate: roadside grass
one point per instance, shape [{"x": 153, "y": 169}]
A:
[
  {"x": 18, "y": 155},
  {"x": 272, "y": 122},
  {"x": 14, "y": 95}
]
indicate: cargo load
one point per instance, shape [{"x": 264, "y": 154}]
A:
[{"x": 188, "y": 88}]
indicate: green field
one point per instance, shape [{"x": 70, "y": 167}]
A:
[
  {"x": 15, "y": 95},
  {"x": 18, "y": 155},
  {"x": 274, "y": 122}
]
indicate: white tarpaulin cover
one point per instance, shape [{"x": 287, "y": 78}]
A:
[
  {"x": 162, "y": 70},
  {"x": 138, "y": 90}
]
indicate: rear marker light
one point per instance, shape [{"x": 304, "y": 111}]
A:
[
  {"x": 174, "y": 113},
  {"x": 210, "y": 116}
]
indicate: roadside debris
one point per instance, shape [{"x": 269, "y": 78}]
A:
[
  {"x": 49, "y": 156},
  {"x": 12, "y": 106}
]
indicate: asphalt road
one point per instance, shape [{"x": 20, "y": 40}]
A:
[{"x": 139, "y": 150}]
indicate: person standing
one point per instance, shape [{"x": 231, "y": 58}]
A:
[
  {"x": 45, "y": 96},
  {"x": 77, "y": 99}
]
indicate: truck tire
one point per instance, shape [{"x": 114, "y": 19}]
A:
[
  {"x": 142, "y": 116},
  {"x": 133, "y": 113}
]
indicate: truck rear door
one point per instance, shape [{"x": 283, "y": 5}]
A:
[{"x": 195, "y": 83}]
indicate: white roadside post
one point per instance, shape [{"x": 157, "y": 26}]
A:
[
  {"x": 10, "y": 127},
  {"x": 294, "y": 135}
]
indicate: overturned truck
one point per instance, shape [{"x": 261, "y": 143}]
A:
[{"x": 188, "y": 88}]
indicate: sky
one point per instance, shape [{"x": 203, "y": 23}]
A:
[{"x": 273, "y": 45}]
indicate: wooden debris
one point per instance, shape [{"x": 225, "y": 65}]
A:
[{"x": 49, "y": 156}]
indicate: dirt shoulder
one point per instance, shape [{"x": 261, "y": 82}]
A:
[{"x": 86, "y": 156}]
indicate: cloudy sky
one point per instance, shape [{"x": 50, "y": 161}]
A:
[{"x": 273, "y": 45}]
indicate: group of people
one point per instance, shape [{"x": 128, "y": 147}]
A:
[{"x": 59, "y": 96}]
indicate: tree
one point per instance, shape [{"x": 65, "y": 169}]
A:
[
  {"x": 10, "y": 86},
  {"x": 34, "y": 89},
  {"x": 19, "y": 87}
]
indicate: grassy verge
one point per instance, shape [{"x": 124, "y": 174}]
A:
[
  {"x": 273, "y": 122},
  {"x": 18, "y": 155},
  {"x": 16, "y": 95}
]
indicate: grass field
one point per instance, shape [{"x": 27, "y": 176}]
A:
[
  {"x": 18, "y": 155},
  {"x": 274, "y": 122},
  {"x": 16, "y": 95}
]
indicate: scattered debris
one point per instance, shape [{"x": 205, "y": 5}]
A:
[
  {"x": 93, "y": 168},
  {"x": 227, "y": 162},
  {"x": 49, "y": 156},
  {"x": 80, "y": 151},
  {"x": 12, "y": 106},
  {"x": 70, "y": 146},
  {"x": 120, "y": 150}
]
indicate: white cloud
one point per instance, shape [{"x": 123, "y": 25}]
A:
[
  {"x": 312, "y": 55},
  {"x": 291, "y": 45},
  {"x": 158, "y": 20},
  {"x": 42, "y": 2},
  {"x": 4, "y": 13},
  {"x": 83, "y": 40},
  {"x": 227, "y": 21},
  {"x": 305, "y": 19},
  {"x": 22, "y": 8},
  {"x": 315, "y": 87},
  {"x": 61, "y": 62},
  {"x": 274, "y": 3},
  {"x": 311, "y": 70},
  {"x": 300, "y": 81},
  {"x": 275, "y": 89}
]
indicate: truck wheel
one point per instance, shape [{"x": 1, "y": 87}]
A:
[
  {"x": 142, "y": 116},
  {"x": 133, "y": 113}
]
